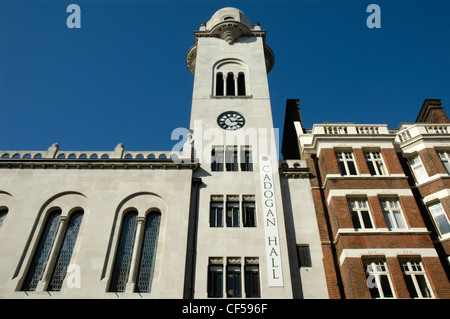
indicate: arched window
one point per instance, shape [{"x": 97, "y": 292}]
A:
[
  {"x": 124, "y": 253},
  {"x": 230, "y": 84},
  {"x": 65, "y": 254},
  {"x": 43, "y": 257},
  {"x": 148, "y": 253},
  {"x": 229, "y": 78},
  {"x": 3, "y": 213},
  {"x": 136, "y": 252},
  {"x": 42, "y": 254},
  {"x": 241, "y": 84},
  {"x": 219, "y": 84}
]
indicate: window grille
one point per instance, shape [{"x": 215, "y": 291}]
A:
[
  {"x": 124, "y": 253},
  {"x": 40, "y": 258},
  {"x": 65, "y": 253},
  {"x": 304, "y": 256},
  {"x": 148, "y": 253}
]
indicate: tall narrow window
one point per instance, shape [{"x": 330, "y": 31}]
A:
[
  {"x": 232, "y": 213},
  {"x": 124, "y": 253},
  {"x": 248, "y": 213},
  {"x": 440, "y": 218},
  {"x": 445, "y": 159},
  {"x": 418, "y": 169},
  {"x": 216, "y": 212},
  {"x": 215, "y": 278},
  {"x": 230, "y": 84},
  {"x": 375, "y": 163},
  {"x": 359, "y": 210},
  {"x": 43, "y": 250},
  {"x": 246, "y": 159},
  {"x": 415, "y": 278},
  {"x": 346, "y": 163},
  {"x": 148, "y": 253},
  {"x": 393, "y": 214},
  {"x": 234, "y": 286},
  {"x": 377, "y": 278},
  {"x": 3, "y": 213},
  {"x": 217, "y": 159},
  {"x": 252, "y": 285},
  {"x": 231, "y": 157},
  {"x": 219, "y": 84},
  {"x": 65, "y": 254},
  {"x": 241, "y": 84}
]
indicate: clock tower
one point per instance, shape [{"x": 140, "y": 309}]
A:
[{"x": 240, "y": 241}]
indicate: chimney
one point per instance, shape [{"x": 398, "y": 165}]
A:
[{"x": 432, "y": 112}]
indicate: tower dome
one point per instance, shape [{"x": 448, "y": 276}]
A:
[{"x": 228, "y": 14}]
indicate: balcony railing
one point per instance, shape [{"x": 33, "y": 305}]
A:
[
  {"x": 410, "y": 131},
  {"x": 349, "y": 129}
]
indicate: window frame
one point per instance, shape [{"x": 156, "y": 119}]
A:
[
  {"x": 252, "y": 278},
  {"x": 392, "y": 223},
  {"x": 343, "y": 163},
  {"x": 232, "y": 213},
  {"x": 418, "y": 169},
  {"x": 378, "y": 268},
  {"x": 234, "y": 278},
  {"x": 434, "y": 215},
  {"x": 375, "y": 163},
  {"x": 444, "y": 156},
  {"x": 412, "y": 275},
  {"x": 215, "y": 278},
  {"x": 214, "y": 212},
  {"x": 217, "y": 159},
  {"x": 248, "y": 218},
  {"x": 357, "y": 213}
]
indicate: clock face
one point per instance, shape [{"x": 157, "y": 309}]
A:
[{"x": 231, "y": 120}]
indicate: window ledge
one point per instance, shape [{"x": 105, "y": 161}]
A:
[{"x": 231, "y": 96}]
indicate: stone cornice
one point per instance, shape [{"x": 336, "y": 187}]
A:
[{"x": 96, "y": 164}]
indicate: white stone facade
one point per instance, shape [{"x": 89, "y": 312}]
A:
[{"x": 264, "y": 217}]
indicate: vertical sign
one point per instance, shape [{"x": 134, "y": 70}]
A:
[{"x": 274, "y": 272}]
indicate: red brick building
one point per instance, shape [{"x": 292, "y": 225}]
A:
[{"x": 382, "y": 199}]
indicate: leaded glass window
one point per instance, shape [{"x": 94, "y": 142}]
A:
[
  {"x": 65, "y": 253},
  {"x": 124, "y": 253},
  {"x": 148, "y": 253},
  {"x": 43, "y": 250}
]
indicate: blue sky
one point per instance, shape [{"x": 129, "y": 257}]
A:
[{"x": 122, "y": 77}]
